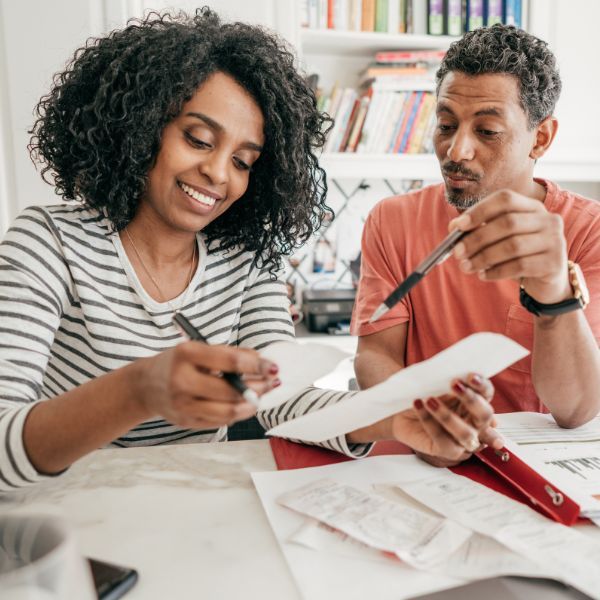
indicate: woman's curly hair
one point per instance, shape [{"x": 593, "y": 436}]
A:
[
  {"x": 98, "y": 131},
  {"x": 506, "y": 49}
]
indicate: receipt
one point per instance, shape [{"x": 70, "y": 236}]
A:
[
  {"x": 484, "y": 353},
  {"x": 566, "y": 553},
  {"x": 414, "y": 536}
]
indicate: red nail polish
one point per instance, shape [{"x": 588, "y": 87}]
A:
[
  {"x": 273, "y": 369},
  {"x": 418, "y": 404},
  {"x": 459, "y": 388},
  {"x": 433, "y": 404}
]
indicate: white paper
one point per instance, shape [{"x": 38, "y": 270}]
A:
[
  {"x": 568, "y": 458},
  {"x": 566, "y": 553},
  {"x": 414, "y": 536},
  {"x": 300, "y": 365},
  {"x": 483, "y": 353},
  {"x": 339, "y": 575}
]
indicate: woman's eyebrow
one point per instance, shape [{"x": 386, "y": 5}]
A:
[{"x": 218, "y": 127}]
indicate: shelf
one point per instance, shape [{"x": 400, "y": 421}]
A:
[
  {"x": 425, "y": 166},
  {"x": 356, "y": 43}
]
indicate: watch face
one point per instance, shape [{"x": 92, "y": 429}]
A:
[{"x": 578, "y": 283}]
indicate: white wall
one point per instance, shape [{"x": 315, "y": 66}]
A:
[{"x": 38, "y": 36}]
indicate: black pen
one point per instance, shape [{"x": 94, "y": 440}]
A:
[
  {"x": 233, "y": 379},
  {"x": 435, "y": 258}
]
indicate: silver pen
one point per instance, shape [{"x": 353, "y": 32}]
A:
[{"x": 435, "y": 258}]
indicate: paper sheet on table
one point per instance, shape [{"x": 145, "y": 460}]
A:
[
  {"x": 568, "y": 458},
  {"x": 414, "y": 536},
  {"x": 483, "y": 353},
  {"x": 349, "y": 574},
  {"x": 561, "y": 551},
  {"x": 300, "y": 365}
]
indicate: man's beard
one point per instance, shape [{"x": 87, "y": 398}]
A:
[{"x": 461, "y": 201}]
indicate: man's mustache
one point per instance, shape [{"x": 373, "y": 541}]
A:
[{"x": 452, "y": 168}]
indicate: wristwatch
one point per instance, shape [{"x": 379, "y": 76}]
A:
[{"x": 580, "y": 299}]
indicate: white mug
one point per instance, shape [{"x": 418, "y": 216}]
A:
[{"x": 39, "y": 560}]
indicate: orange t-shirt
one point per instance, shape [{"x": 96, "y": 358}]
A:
[{"x": 448, "y": 305}]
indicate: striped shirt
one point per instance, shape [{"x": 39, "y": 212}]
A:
[{"x": 72, "y": 308}]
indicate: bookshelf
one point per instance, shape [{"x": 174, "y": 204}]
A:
[{"x": 338, "y": 56}]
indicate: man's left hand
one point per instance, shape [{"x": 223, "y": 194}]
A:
[{"x": 515, "y": 237}]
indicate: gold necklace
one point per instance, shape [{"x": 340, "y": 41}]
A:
[{"x": 160, "y": 293}]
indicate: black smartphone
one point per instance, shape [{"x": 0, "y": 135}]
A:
[{"x": 111, "y": 581}]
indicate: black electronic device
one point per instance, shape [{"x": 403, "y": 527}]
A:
[
  {"x": 111, "y": 581},
  {"x": 328, "y": 311}
]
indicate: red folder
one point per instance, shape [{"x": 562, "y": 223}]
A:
[{"x": 499, "y": 470}]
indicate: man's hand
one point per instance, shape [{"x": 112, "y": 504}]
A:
[
  {"x": 447, "y": 430},
  {"x": 515, "y": 237}
]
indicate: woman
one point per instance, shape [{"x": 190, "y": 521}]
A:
[{"x": 189, "y": 145}]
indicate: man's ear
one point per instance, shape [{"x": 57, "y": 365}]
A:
[{"x": 545, "y": 133}]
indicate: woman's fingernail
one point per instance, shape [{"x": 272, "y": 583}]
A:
[
  {"x": 432, "y": 403},
  {"x": 477, "y": 379},
  {"x": 418, "y": 404},
  {"x": 458, "y": 387},
  {"x": 273, "y": 369},
  {"x": 276, "y": 383}
]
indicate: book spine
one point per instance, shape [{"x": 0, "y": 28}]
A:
[
  {"x": 322, "y": 14},
  {"x": 454, "y": 17},
  {"x": 381, "y": 15},
  {"x": 493, "y": 12},
  {"x": 474, "y": 14},
  {"x": 405, "y": 116},
  {"x": 355, "y": 14},
  {"x": 393, "y": 24},
  {"x": 435, "y": 17},
  {"x": 512, "y": 12},
  {"x": 368, "y": 15},
  {"x": 360, "y": 121},
  {"x": 422, "y": 120},
  {"x": 410, "y": 122},
  {"x": 367, "y": 130}
]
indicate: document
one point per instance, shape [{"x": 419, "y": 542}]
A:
[
  {"x": 568, "y": 458},
  {"x": 483, "y": 353},
  {"x": 563, "y": 551},
  {"x": 329, "y": 564},
  {"x": 417, "y": 538},
  {"x": 300, "y": 365}
]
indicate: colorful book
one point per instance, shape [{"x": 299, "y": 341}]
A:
[
  {"x": 454, "y": 23},
  {"x": 474, "y": 17},
  {"x": 368, "y": 15},
  {"x": 356, "y": 132},
  {"x": 435, "y": 17},
  {"x": 493, "y": 12},
  {"x": 381, "y": 15}
]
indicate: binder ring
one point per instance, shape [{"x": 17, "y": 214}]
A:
[
  {"x": 504, "y": 456},
  {"x": 557, "y": 497}
]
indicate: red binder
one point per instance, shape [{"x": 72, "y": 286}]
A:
[{"x": 499, "y": 470}]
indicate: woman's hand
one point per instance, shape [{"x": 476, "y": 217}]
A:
[
  {"x": 447, "y": 430},
  {"x": 183, "y": 385}
]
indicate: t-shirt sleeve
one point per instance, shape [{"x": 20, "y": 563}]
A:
[
  {"x": 588, "y": 259},
  {"x": 33, "y": 294},
  {"x": 377, "y": 279}
]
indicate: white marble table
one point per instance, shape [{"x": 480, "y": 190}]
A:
[{"x": 186, "y": 517}]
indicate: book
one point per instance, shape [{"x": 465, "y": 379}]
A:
[
  {"x": 409, "y": 56},
  {"x": 493, "y": 12},
  {"x": 416, "y": 106},
  {"x": 393, "y": 19},
  {"x": 474, "y": 14},
  {"x": 368, "y": 15},
  {"x": 435, "y": 17},
  {"x": 512, "y": 12},
  {"x": 454, "y": 22},
  {"x": 381, "y": 15},
  {"x": 356, "y": 132}
]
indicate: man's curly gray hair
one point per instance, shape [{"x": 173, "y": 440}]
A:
[{"x": 506, "y": 49}]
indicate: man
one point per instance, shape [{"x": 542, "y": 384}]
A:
[{"x": 496, "y": 92}]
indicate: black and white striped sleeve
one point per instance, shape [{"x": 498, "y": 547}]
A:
[
  {"x": 265, "y": 319},
  {"x": 33, "y": 292}
]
